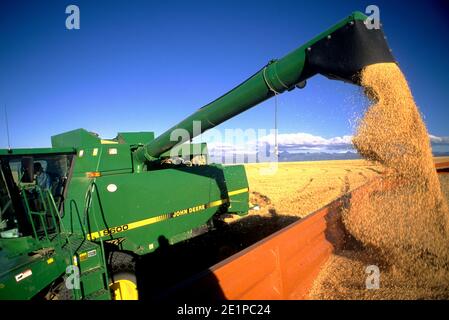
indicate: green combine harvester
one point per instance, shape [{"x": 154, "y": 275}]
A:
[{"x": 86, "y": 208}]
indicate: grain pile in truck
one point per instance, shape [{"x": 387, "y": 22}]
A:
[{"x": 401, "y": 225}]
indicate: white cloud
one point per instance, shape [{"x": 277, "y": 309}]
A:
[
  {"x": 302, "y": 142},
  {"x": 307, "y": 140},
  {"x": 291, "y": 142},
  {"x": 439, "y": 140}
]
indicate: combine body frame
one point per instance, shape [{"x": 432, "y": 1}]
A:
[{"x": 136, "y": 211}]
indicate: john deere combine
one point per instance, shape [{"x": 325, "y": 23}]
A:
[{"x": 86, "y": 208}]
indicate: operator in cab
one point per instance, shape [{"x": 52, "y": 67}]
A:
[{"x": 42, "y": 178}]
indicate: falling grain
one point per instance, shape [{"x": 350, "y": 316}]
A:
[{"x": 402, "y": 222}]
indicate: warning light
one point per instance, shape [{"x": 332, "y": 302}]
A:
[{"x": 94, "y": 174}]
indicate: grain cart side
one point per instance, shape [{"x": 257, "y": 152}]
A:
[{"x": 111, "y": 201}]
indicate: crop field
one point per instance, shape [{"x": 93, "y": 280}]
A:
[
  {"x": 297, "y": 189},
  {"x": 291, "y": 192}
]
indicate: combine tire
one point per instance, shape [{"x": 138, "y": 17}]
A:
[{"x": 123, "y": 282}]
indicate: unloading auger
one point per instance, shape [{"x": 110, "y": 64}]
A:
[{"x": 340, "y": 52}]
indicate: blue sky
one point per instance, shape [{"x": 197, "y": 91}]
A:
[{"x": 145, "y": 65}]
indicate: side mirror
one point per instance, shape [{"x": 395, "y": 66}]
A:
[{"x": 27, "y": 170}]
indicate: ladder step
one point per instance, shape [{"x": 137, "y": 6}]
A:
[{"x": 93, "y": 270}]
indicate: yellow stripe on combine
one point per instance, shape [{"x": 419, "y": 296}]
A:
[
  {"x": 103, "y": 141},
  {"x": 141, "y": 223},
  {"x": 235, "y": 192},
  {"x": 216, "y": 203}
]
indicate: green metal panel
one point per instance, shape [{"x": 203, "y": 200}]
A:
[
  {"x": 39, "y": 274},
  {"x": 24, "y": 271},
  {"x": 135, "y": 138},
  {"x": 75, "y": 138},
  {"x": 103, "y": 158},
  {"x": 235, "y": 177},
  {"x": 162, "y": 203}
]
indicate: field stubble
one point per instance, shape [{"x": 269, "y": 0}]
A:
[{"x": 298, "y": 188}]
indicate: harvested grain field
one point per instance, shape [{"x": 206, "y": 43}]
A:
[{"x": 299, "y": 188}]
